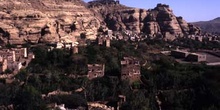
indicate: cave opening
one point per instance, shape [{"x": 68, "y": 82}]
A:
[
  {"x": 73, "y": 27},
  {"x": 4, "y": 33}
]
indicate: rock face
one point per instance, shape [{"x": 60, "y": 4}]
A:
[
  {"x": 159, "y": 20},
  {"x": 37, "y": 21},
  {"x": 45, "y": 20}
]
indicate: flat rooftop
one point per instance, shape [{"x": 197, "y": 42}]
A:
[{"x": 210, "y": 59}]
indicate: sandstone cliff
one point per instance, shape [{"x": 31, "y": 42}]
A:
[
  {"x": 160, "y": 20},
  {"x": 45, "y": 20},
  {"x": 37, "y": 21}
]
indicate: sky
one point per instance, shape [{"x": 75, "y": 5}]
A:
[{"x": 190, "y": 10}]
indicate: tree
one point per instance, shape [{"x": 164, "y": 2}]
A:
[{"x": 28, "y": 98}]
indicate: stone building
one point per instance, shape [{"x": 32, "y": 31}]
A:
[
  {"x": 75, "y": 50},
  {"x": 130, "y": 69},
  {"x": 95, "y": 70},
  {"x": 188, "y": 56},
  {"x": 108, "y": 42},
  {"x": 199, "y": 38},
  {"x": 3, "y": 65},
  {"x": 100, "y": 40},
  {"x": 194, "y": 57},
  {"x": 104, "y": 40},
  {"x": 179, "y": 53},
  {"x": 14, "y": 59},
  {"x": 110, "y": 33}
]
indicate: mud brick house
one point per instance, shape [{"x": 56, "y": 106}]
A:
[
  {"x": 14, "y": 59},
  {"x": 3, "y": 65},
  {"x": 104, "y": 40},
  {"x": 130, "y": 69},
  {"x": 194, "y": 57},
  {"x": 95, "y": 70},
  {"x": 188, "y": 56},
  {"x": 179, "y": 53}
]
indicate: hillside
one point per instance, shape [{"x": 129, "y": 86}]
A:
[
  {"x": 212, "y": 26},
  {"x": 158, "y": 21},
  {"x": 45, "y": 20},
  {"x": 50, "y": 21},
  {"x": 127, "y": 58}
]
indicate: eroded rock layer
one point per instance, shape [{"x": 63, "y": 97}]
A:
[
  {"x": 50, "y": 21},
  {"x": 160, "y": 20},
  {"x": 45, "y": 20}
]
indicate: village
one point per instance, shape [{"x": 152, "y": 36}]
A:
[
  {"x": 109, "y": 55},
  {"x": 17, "y": 58},
  {"x": 14, "y": 59}
]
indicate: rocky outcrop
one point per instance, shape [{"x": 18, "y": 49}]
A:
[
  {"x": 118, "y": 17},
  {"x": 37, "y": 21},
  {"x": 160, "y": 20},
  {"x": 45, "y": 20}
]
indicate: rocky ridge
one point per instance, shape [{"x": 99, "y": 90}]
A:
[
  {"x": 51, "y": 21},
  {"x": 211, "y": 26},
  {"x": 158, "y": 21}
]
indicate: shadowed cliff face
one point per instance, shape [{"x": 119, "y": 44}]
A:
[
  {"x": 160, "y": 20},
  {"x": 45, "y": 20}
]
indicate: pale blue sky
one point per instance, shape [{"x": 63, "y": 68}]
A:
[{"x": 190, "y": 10}]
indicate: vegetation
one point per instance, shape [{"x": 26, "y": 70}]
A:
[
  {"x": 193, "y": 44},
  {"x": 177, "y": 86}
]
